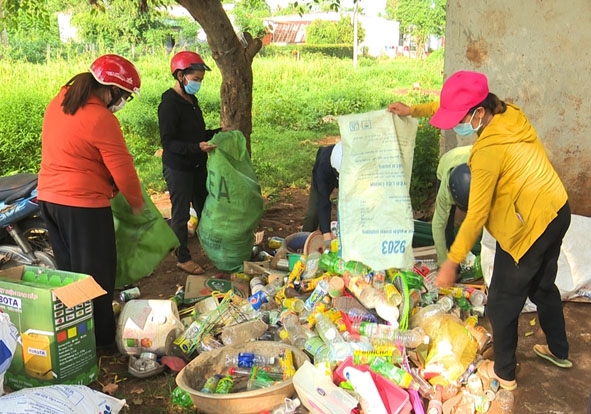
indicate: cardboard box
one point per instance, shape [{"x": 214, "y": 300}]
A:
[{"x": 52, "y": 311}]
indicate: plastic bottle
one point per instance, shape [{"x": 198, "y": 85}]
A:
[
  {"x": 316, "y": 296},
  {"x": 249, "y": 360},
  {"x": 378, "y": 279},
  {"x": 370, "y": 297},
  {"x": 243, "y": 332},
  {"x": 293, "y": 304},
  {"x": 435, "y": 404},
  {"x": 296, "y": 333},
  {"x": 365, "y": 387},
  {"x": 505, "y": 401},
  {"x": 393, "y": 296},
  {"x": 287, "y": 407},
  {"x": 211, "y": 383},
  {"x": 181, "y": 398},
  {"x": 358, "y": 315},
  {"x": 259, "y": 379},
  {"x": 225, "y": 385},
  {"x": 392, "y": 372},
  {"x": 388, "y": 312},
  {"x": 327, "y": 330},
  {"x": 443, "y": 305},
  {"x": 331, "y": 262},
  {"x": 410, "y": 338}
]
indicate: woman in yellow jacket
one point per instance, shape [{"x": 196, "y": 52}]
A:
[{"x": 517, "y": 195}]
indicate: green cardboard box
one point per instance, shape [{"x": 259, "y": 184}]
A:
[{"x": 52, "y": 311}]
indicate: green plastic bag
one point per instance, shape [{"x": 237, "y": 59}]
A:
[
  {"x": 234, "y": 205},
  {"x": 143, "y": 240}
]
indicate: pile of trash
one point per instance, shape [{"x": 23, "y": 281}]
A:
[{"x": 367, "y": 333}]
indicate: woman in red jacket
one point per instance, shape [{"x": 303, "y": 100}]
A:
[{"x": 84, "y": 163}]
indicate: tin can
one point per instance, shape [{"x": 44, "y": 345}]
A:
[
  {"x": 129, "y": 294},
  {"x": 275, "y": 242}
]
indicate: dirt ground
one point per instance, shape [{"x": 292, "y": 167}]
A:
[{"x": 543, "y": 388}]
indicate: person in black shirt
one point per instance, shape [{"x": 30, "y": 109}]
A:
[
  {"x": 325, "y": 178},
  {"x": 184, "y": 143}
]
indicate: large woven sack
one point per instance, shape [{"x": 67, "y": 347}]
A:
[{"x": 234, "y": 205}]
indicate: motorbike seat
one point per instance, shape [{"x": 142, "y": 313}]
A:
[{"x": 16, "y": 186}]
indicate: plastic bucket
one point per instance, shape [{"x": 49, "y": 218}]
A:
[{"x": 292, "y": 259}]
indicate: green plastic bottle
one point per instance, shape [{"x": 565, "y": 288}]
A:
[
  {"x": 181, "y": 398},
  {"x": 225, "y": 385},
  {"x": 392, "y": 372}
]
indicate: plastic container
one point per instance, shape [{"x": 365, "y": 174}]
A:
[
  {"x": 292, "y": 259},
  {"x": 148, "y": 325},
  {"x": 395, "y": 398},
  {"x": 192, "y": 377},
  {"x": 364, "y": 385}
]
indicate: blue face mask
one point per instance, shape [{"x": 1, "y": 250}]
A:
[
  {"x": 466, "y": 128},
  {"x": 192, "y": 87}
]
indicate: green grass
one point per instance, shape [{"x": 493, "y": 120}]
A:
[{"x": 291, "y": 102}]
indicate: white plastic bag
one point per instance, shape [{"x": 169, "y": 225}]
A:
[
  {"x": 9, "y": 337},
  {"x": 60, "y": 399}
]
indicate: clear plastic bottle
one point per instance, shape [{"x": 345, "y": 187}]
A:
[
  {"x": 296, "y": 333},
  {"x": 319, "y": 292},
  {"x": 443, "y": 305},
  {"x": 435, "y": 404},
  {"x": 243, "y": 332},
  {"x": 249, "y": 360},
  {"x": 392, "y": 372},
  {"x": 410, "y": 339},
  {"x": 365, "y": 387},
  {"x": 288, "y": 406},
  {"x": 370, "y": 297},
  {"x": 327, "y": 330},
  {"x": 505, "y": 401},
  {"x": 356, "y": 314}
]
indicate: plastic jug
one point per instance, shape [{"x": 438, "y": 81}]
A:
[{"x": 147, "y": 325}]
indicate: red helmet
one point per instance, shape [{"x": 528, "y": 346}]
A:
[
  {"x": 186, "y": 60},
  {"x": 118, "y": 71}
]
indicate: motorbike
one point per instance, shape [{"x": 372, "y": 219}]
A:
[{"x": 24, "y": 238}]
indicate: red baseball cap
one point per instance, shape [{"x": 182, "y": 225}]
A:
[{"x": 461, "y": 91}]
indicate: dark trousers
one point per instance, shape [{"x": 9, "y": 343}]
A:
[
  {"x": 83, "y": 241},
  {"x": 534, "y": 277},
  {"x": 185, "y": 188},
  {"x": 311, "y": 218}
]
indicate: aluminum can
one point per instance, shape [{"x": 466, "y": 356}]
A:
[{"x": 130, "y": 294}]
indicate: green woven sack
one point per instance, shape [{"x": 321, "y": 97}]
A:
[
  {"x": 234, "y": 205},
  {"x": 143, "y": 240}
]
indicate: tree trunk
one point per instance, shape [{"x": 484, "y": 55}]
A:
[{"x": 234, "y": 60}]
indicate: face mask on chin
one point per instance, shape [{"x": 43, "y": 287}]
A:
[
  {"x": 465, "y": 129},
  {"x": 115, "y": 108}
]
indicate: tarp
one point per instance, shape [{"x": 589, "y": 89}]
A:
[{"x": 574, "y": 266}]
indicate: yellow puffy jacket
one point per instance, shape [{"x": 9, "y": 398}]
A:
[{"x": 515, "y": 192}]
